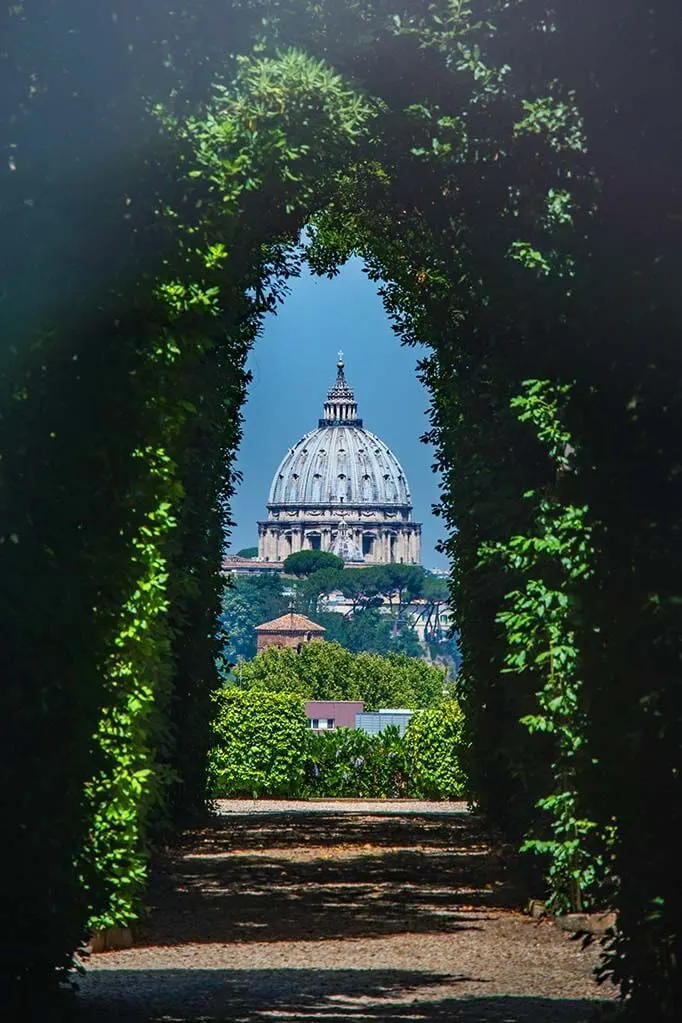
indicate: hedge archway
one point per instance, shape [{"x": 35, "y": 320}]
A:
[{"x": 469, "y": 189}]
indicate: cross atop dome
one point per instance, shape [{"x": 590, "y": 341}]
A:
[{"x": 340, "y": 406}]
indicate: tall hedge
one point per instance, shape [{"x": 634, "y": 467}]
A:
[{"x": 264, "y": 747}]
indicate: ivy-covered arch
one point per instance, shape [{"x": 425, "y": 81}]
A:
[{"x": 462, "y": 174}]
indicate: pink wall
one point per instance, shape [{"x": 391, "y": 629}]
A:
[{"x": 342, "y": 711}]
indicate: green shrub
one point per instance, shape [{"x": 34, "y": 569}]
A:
[
  {"x": 261, "y": 744},
  {"x": 433, "y": 746},
  {"x": 263, "y": 747},
  {"x": 350, "y": 762}
]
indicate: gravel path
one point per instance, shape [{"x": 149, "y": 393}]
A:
[
  {"x": 339, "y": 913},
  {"x": 385, "y": 807}
]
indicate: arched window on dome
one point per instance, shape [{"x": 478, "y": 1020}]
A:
[
  {"x": 316, "y": 490},
  {"x": 344, "y": 487},
  {"x": 368, "y": 490},
  {"x": 390, "y": 488}
]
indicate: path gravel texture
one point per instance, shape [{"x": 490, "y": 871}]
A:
[{"x": 348, "y": 912}]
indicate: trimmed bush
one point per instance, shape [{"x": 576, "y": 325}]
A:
[
  {"x": 261, "y": 744},
  {"x": 433, "y": 747},
  {"x": 348, "y": 762}
]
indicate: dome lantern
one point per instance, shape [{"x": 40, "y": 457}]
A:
[{"x": 340, "y": 406}]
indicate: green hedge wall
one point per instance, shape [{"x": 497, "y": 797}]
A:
[
  {"x": 264, "y": 747},
  {"x": 434, "y": 744},
  {"x": 261, "y": 745}
]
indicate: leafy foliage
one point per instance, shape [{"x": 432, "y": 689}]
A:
[
  {"x": 247, "y": 601},
  {"x": 133, "y": 730},
  {"x": 260, "y": 746},
  {"x": 248, "y": 552},
  {"x": 392, "y": 588},
  {"x": 263, "y": 747},
  {"x": 348, "y": 762},
  {"x": 368, "y": 631},
  {"x": 542, "y": 622},
  {"x": 434, "y": 742},
  {"x": 327, "y": 671}
]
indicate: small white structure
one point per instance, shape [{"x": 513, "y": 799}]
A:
[{"x": 376, "y": 721}]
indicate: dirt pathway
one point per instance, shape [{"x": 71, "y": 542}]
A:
[{"x": 347, "y": 913}]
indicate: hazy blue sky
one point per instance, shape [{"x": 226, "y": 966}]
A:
[{"x": 293, "y": 366}]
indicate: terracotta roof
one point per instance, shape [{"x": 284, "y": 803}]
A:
[{"x": 291, "y": 623}]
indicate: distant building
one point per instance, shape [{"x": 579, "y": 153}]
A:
[
  {"x": 326, "y": 715},
  {"x": 290, "y": 630},
  {"x": 234, "y": 565},
  {"x": 340, "y": 489},
  {"x": 376, "y": 721}
]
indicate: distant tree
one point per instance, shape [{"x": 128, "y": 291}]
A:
[
  {"x": 401, "y": 584},
  {"x": 435, "y": 597},
  {"x": 362, "y": 586},
  {"x": 320, "y": 671},
  {"x": 406, "y": 641},
  {"x": 275, "y": 669},
  {"x": 365, "y": 630},
  {"x": 327, "y": 671},
  {"x": 304, "y": 563},
  {"x": 397, "y": 584},
  {"x": 247, "y": 601},
  {"x": 248, "y": 552},
  {"x": 309, "y": 589},
  {"x": 367, "y": 589},
  {"x": 370, "y": 631}
]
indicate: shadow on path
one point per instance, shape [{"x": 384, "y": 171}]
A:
[
  {"x": 313, "y": 996},
  {"x": 291, "y": 878},
  {"x": 339, "y": 917}
]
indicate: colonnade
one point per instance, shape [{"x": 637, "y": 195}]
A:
[{"x": 399, "y": 542}]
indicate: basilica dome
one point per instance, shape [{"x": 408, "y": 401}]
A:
[
  {"x": 340, "y": 472},
  {"x": 340, "y": 464}
]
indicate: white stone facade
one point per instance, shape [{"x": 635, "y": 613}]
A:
[{"x": 340, "y": 477}]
